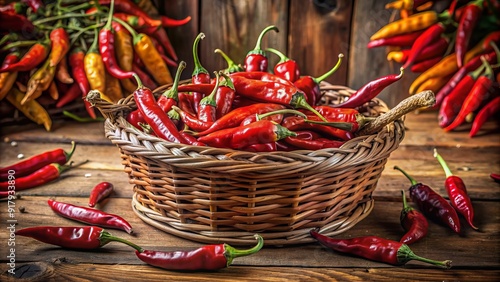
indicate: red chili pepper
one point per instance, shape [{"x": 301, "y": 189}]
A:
[
  {"x": 39, "y": 177},
  {"x": 37, "y": 162},
  {"x": 479, "y": 92},
  {"x": 295, "y": 123},
  {"x": 224, "y": 97},
  {"x": 192, "y": 121},
  {"x": 376, "y": 249},
  {"x": 316, "y": 144},
  {"x": 90, "y": 216},
  {"x": 468, "y": 22},
  {"x": 457, "y": 192},
  {"x": 310, "y": 85},
  {"x": 495, "y": 176},
  {"x": 16, "y": 23},
  {"x": 208, "y": 105},
  {"x": 127, "y": 6},
  {"x": 154, "y": 116},
  {"x": 402, "y": 40},
  {"x": 262, "y": 76},
  {"x": 35, "y": 55},
  {"x": 99, "y": 192},
  {"x": 81, "y": 237},
  {"x": 135, "y": 118},
  {"x": 430, "y": 35},
  {"x": 414, "y": 223},
  {"x": 267, "y": 147},
  {"x": 161, "y": 35},
  {"x": 12, "y": 7},
  {"x": 256, "y": 59},
  {"x": 170, "y": 97},
  {"x": 186, "y": 102},
  {"x": 35, "y": 5},
  {"x": 192, "y": 140},
  {"x": 59, "y": 45},
  {"x": 259, "y": 132},
  {"x": 145, "y": 78},
  {"x": 169, "y": 22},
  {"x": 276, "y": 117},
  {"x": 484, "y": 114},
  {"x": 76, "y": 62},
  {"x": 424, "y": 65},
  {"x": 200, "y": 74},
  {"x": 432, "y": 204},
  {"x": 209, "y": 257},
  {"x": 436, "y": 49},
  {"x": 349, "y": 115},
  {"x": 231, "y": 66},
  {"x": 286, "y": 67},
  {"x": 69, "y": 96}
]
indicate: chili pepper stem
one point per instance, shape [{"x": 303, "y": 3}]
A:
[
  {"x": 405, "y": 254},
  {"x": 443, "y": 163},
  {"x": 198, "y": 68},
  {"x": 231, "y": 253},
  {"x": 413, "y": 181},
  {"x": 299, "y": 101},
  {"x": 330, "y": 72},
  {"x": 106, "y": 237},
  {"x": 261, "y": 35},
  {"x": 406, "y": 207},
  {"x": 340, "y": 125},
  {"x": 70, "y": 153},
  {"x": 284, "y": 111}
]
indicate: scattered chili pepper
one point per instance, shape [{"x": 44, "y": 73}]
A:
[
  {"x": 285, "y": 67},
  {"x": 432, "y": 204},
  {"x": 484, "y": 114},
  {"x": 414, "y": 223},
  {"x": 495, "y": 176},
  {"x": 457, "y": 192},
  {"x": 7, "y": 79},
  {"x": 231, "y": 65},
  {"x": 256, "y": 59},
  {"x": 224, "y": 97},
  {"x": 76, "y": 61},
  {"x": 468, "y": 22},
  {"x": 81, "y": 237},
  {"x": 37, "y": 178},
  {"x": 209, "y": 257},
  {"x": 200, "y": 74},
  {"x": 402, "y": 40},
  {"x": 35, "y": 55},
  {"x": 376, "y": 249},
  {"x": 208, "y": 105}
]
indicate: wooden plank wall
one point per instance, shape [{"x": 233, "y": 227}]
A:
[{"x": 312, "y": 32}]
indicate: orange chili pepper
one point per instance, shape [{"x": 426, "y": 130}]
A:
[
  {"x": 113, "y": 88},
  {"x": 39, "y": 82},
  {"x": 124, "y": 53},
  {"x": 62, "y": 71},
  {"x": 95, "y": 70},
  {"x": 434, "y": 84},
  {"x": 7, "y": 79},
  {"x": 53, "y": 91}
]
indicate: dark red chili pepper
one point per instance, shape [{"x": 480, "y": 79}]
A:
[
  {"x": 457, "y": 192},
  {"x": 191, "y": 139},
  {"x": 161, "y": 35},
  {"x": 135, "y": 118},
  {"x": 200, "y": 74},
  {"x": 256, "y": 59},
  {"x": 492, "y": 37},
  {"x": 316, "y": 144},
  {"x": 208, "y": 105},
  {"x": 262, "y": 76},
  {"x": 99, "y": 192},
  {"x": 414, "y": 223},
  {"x": 81, "y": 237},
  {"x": 295, "y": 123},
  {"x": 170, "y": 97},
  {"x": 231, "y": 66},
  {"x": 430, "y": 35},
  {"x": 402, "y": 40},
  {"x": 169, "y": 61},
  {"x": 39, "y": 177},
  {"x": 310, "y": 85},
  {"x": 479, "y": 92},
  {"x": 76, "y": 62},
  {"x": 145, "y": 78},
  {"x": 186, "y": 102},
  {"x": 209, "y": 257},
  {"x": 276, "y": 117},
  {"x": 38, "y": 161},
  {"x": 192, "y": 121},
  {"x": 432, "y": 204},
  {"x": 376, "y": 249},
  {"x": 16, "y": 23},
  {"x": 286, "y": 67},
  {"x": 59, "y": 45},
  {"x": 224, "y": 97},
  {"x": 35, "y": 55},
  {"x": 370, "y": 90},
  {"x": 153, "y": 114},
  {"x": 35, "y": 5},
  {"x": 169, "y": 22},
  {"x": 267, "y": 147},
  {"x": 424, "y": 65},
  {"x": 466, "y": 25},
  {"x": 127, "y": 6},
  {"x": 259, "y": 132},
  {"x": 69, "y": 96},
  {"x": 90, "y": 216},
  {"x": 495, "y": 176},
  {"x": 435, "y": 49},
  {"x": 484, "y": 114}
]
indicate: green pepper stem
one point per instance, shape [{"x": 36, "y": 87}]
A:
[
  {"x": 443, "y": 163},
  {"x": 405, "y": 254},
  {"x": 299, "y": 101},
  {"x": 231, "y": 253},
  {"x": 70, "y": 153},
  {"x": 106, "y": 237},
  {"x": 282, "y": 56},
  {"x": 198, "y": 68},
  {"x": 489, "y": 70},
  {"x": 330, "y": 72},
  {"x": 76, "y": 36},
  {"x": 27, "y": 43},
  {"x": 406, "y": 207},
  {"x": 65, "y": 16},
  {"x": 110, "y": 15},
  {"x": 210, "y": 99},
  {"x": 227, "y": 81},
  {"x": 231, "y": 65},
  {"x": 172, "y": 92},
  {"x": 497, "y": 52},
  {"x": 261, "y": 35},
  {"x": 284, "y": 111},
  {"x": 132, "y": 31},
  {"x": 340, "y": 125},
  {"x": 93, "y": 47},
  {"x": 138, "y": 80},
  {"x": 413, "y": 181},
  {"x": 7, "y": 37}
]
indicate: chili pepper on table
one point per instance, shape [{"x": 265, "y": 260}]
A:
[
  {"x": 35, "y": 55},
  {"x": 484, "y": 114},
  {"x": 90, "y": 216},
  {"x": 170, "y": 97},
  {"x": 256, "y": 59},
  {"x": 414, "y": 223},
  {"x": 224, "y": 97},
  {"x": 124, "y": 53},
  {"x": 285, "y": 67},
  {"x": 432, "y": 204},
  {"x": 76, "y": 60},
  {"x": 209, "y": 257},
  {"x": 465, "y": 28},
  {"x": 376, "y": 249},
  {"x": 31, "y": 109},
  {"x": 457, "y": 192},
  {"x": 231, "y": 65},
  {"x": 81, "y": 237},
  {"x": 402, "y": 40},
  {"x": 495, "y": 176},
  {"x": 37, "y": 178},
  {"x": 208, "y": 105},
  {"x": 7, "y": 79}
]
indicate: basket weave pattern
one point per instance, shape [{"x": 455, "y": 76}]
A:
[{"x": 215, "y": 195}]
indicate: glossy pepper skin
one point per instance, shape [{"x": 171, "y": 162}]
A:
[
  {"x": 431, "y": 34},
  {"x": 35, "y": 55},
  {"x": 76, "y": 61},
  {"x": 286, "y": 67},
  {"x": 376, "y": 249},
  {"x": 489, "y": 110},
  {"x": 82, "y": 238},
  {"x": 432, "y": 204},
  {"x": 200, "y": 75},
  {"x": 256, "y": 59},
  {"x": 457, "y": 192},
  {"x": 39, "y": 177},
  {"x": 209, "y": 257},
  {"x": 466, "y": 25},
  {"x": 129, "y": 7},
  {"x": 60, "y": 45},
  {"x": 208, "y": 105},
  {"x": 100, "y": 191},
  {"x": 224, "y": 97},
  {"x": 170, "y": 97},
  {"x": 413, "y": 222},
  {"x": 402, "y": 40}
]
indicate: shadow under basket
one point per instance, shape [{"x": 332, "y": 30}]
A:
[{"x": 214, "y": 195}]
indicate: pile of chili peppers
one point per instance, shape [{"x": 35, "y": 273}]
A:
[
  {"x": 52, "y": 53},
  {"x": 455, "y": 51}
]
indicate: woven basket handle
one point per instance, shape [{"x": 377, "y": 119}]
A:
[
  {"x": 423, "y": 99},
  {"x": 107, "y": 109}
]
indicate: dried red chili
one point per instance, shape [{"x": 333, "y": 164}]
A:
[
  {"x": 81, "y": 237},
  {"x": 256, "y": 59},
  {"x": 209, "y": 257},
  {"x": 376, "y": 249},
  {"x": 457, "y": 192},
  {"x": 487, "y": 111},
  {"x": 414, "y": 223},
  {"x": 101, "y": 191},
  {"x": 468, "y": 21},
  {"x": 285, "y": 67},
  {"x": 432, "y": 204}
]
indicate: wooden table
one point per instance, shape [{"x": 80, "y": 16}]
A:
[{"x": 475, "y": 254}]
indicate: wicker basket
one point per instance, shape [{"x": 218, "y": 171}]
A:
[{"x": 213, "y": 195}]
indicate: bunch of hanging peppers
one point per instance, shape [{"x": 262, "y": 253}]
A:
[
  {"x": 52, "y": 53},
  {"x": 252, "y": 106},
  {"x": 454, "y": 51}
]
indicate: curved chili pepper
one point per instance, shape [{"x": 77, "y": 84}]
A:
[
  {"x": 295, "y": 123},
  {"x": 231, "y": 65},
  {"x": 224, "y": 97},
  {"x": 192, "y": 121},
  {"x": 62, "y": 72},
  {"x": 124, "y": 53},
  {"x": 484, "y": 114},
  {"x": 414, "y": 223},
  {"x": 457, "y": 192},
  {"x": 81, "y": 237},
  {"x": 16, "y": 23},
  {"x": 268, "y": 147},
  {"x": 402, "y": 40},
  {"x": 432, "y": 204},
  {"x": 144, "y": 76},
  {"x": 495, "y": 176},
  {"x": 376, "y": 249},
  {"x": 37, "y": 178},
  {"x": 7, "y": 79},
  {"x": 170, "y": 97},
  {"x": 154, "y": 115},
  {"x": 59, "y": 45},
  {"x": 256, "y": 59},
  {"x": 369, "y": 91},
  {"x": 90, "y": 216},
  {"x": 191, "y": 140},
  {"x": 169, "y": 22},
  {"x": 35, "y": 55},
  {"x": 431, "y": 34},
  {"x": 316, "y": 144},
  {"x": 200, "y": 74},
  {"x": 76, "y": 61},
  {"x": 468, "y": 22},
  {"x": 95, "y": 69},
  {"x": 127, "y": 6},
  {"x": 208, "y": 105},
  {"x": 285, "y": 67},
  {"x": 209, "y": 257},
  {"x": 424, "y": 65},
  {"x": 69, "y": 96}
]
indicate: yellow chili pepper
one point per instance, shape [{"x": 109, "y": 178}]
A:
[
  {"x": 39, "y": 82},
  {"x": 113, "y": 88},
  {"x": 124, "y": 54},
  {"x": 415, "y": 22},
  {"x": 434, "y": 84},
  {"x": 396, "y": 56},
  {"x": 31, "y": 109},
  {"x": 400, "y": 5},
  {"x": 95, "y": 71},
  {"x": 7, "y": 80}
]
